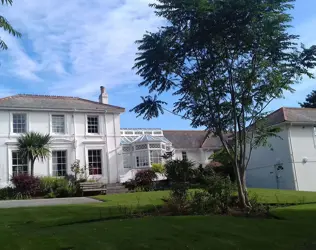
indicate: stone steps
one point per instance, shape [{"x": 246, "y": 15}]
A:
[{"x": 116, "y": 188}]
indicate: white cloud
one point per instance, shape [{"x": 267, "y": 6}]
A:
[
  {"x": 17, "y": 62},
  {"x": 72, "y": 47},
  {"x": 76, "y": 46}
]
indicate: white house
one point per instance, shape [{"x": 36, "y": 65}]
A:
[
  {"x": 90, "y": 132},
  {"x": 80, "y": 129},
  {"x": 292, "y": 162}
]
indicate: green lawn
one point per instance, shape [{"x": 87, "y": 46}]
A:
[
  {"x": 154, "y": 198},
  {"x": 96, "y": 226},
  {"x": 283, "y": 196}
]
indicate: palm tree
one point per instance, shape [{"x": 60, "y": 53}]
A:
[
  {"x": 6, "y": 26},
  {"x": 33, "y": 146}
]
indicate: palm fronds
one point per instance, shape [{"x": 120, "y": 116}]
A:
[{"x": 34, "y": 146}]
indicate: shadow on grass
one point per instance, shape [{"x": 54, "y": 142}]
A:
[
  {"x": 122, "y": 212},
  {"x": 90, "y": 221},
  {"x": 304, "y": 213},
  {"x": 113, "y": 213}
]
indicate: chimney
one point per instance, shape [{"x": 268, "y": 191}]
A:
[{"x": 103, "y": 98}]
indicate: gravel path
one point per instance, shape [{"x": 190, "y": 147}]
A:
[{"x": 46, "y": 202}]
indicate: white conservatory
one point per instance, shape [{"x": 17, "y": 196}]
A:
[{"x": 143, "y": 147}]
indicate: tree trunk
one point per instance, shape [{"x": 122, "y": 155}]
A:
[
  {"x": 241, "y": 195},
  {"x": 32, "y": 167},
  {"x": 244, "y": 188}
]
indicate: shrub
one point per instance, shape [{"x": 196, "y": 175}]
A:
[
  {"x": 179, "y": 173},
  {"x": 144, "y": 179},
  {"x": 71, "y": 178},
  {"x": 47, "y": 185},
  {"x": 222, "y": 164},
  {"x": 58, "y": 187},
  {"x": 200, "y": 203},
  {"x": 217, "y": 196},
  {"x": 63, "y": 191},
  {"x": 176, "y": 206},
  {"x": 7, "y": 193},
  {"x": 158, "y": 168},
  {"x": 130, "y": 185},
  {"x": 79, "y": 173},
  {"x": 161, "y": 185},
  {"x": 50, "y": 195},
  {"x": 26, "y": 185},
  {"x": 179, "y": 170},
  {"x": 201, "y": 174},
  {"x": 257, "y": 208}
]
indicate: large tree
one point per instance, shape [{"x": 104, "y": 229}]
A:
[
  {"x": 6, "y": 26},
  {"x": 225, "y": 61},
  {"x": 310, "y": 101}
]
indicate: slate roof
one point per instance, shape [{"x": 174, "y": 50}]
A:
[
  {"x": 35, "y": 102},
  {"x": 192, "y": 139},
  {"x": 284, "y": 114}
]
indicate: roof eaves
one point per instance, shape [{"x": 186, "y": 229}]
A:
[
  {"x": 70, "y": 98},
  {"x": 51, "y": 109}
]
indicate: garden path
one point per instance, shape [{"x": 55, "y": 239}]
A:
[{"x": 47, "y": 202}]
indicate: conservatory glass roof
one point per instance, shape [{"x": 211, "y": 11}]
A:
[{"x": 143, "y": 138}]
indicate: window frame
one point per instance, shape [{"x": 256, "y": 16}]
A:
[
  {"x": 101, "y": 162},
  {"x": 98, "y": 125},
  {"x": 51, "y": 124},
  {"x": 155, "y": 157},
  {"x": 18, "y": 165},
  {"x": 66, "y": 162},
  {"x": 12, "y": 123},
  {"x": 142, "y": 159},
  {"x": 127, "y": 160}
]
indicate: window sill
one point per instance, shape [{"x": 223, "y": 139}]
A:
[
  {"x": 93, "y": 135},
  {"x": 59, "y": 135},
  {"x": 17, "y": 134}
]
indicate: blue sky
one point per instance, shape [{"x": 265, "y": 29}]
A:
[{"x": 74, "y": 47}]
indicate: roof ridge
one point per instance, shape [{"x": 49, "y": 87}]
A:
[
  {"x": 5, "y": 98},
  {"x": 282, "y": 109},
  {"x": 58, "y": 97},
  {"x": 302, "y": 108},
  {"x": 36, "y": 95},
  {"x": 104, "y": 104}
]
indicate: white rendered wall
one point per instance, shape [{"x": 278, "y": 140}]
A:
[
  {"x": 199, "y": 156},
  {"x": 76, "y": 141},
  {"x": 304, "y": 146},
  {"x": 262, "y": 173}
]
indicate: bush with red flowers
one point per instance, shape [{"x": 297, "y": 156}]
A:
[
  {"x": 26, "y": 185},
  {"x": 145, "y": 178}
]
